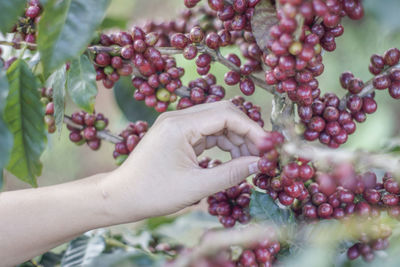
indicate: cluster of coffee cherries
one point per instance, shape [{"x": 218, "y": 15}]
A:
[
  {"x": 327, "y": 120},
  {"x": 295, "y": 61},
  {"x": 269, "y": 152},
  {"x": 202, "y": 90},
  {"x": 189, "y": 43},
  {"x": 367, "y": 249},
  {"x": 236, "y": 16},
  {"x": 230, "y": 205},
  {"x": 260, "y": 254},
  {"x": 25, "y": 29},
  {"x": 158, "y": 76},
  {"x": 183, "y": 23},
  {"x": 332, "y": 121},
  {"x": 389, "y": 80},
  {"x": 290, "y": 185},
  {"x": 196, "y": 39},
  {"x": 47, "y": 100},
  {"x": 339, "y": 194},
  {"x": 132, "y": 135},
  {"x": 88, "y": 126},
  {"x": 251, "y": 110},
  {"x": 236, "y": 27}
]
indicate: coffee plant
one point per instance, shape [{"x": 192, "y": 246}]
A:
[{"x": 310, "y": 197}]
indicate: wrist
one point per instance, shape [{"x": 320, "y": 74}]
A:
[{"x": 119, "y": 200}]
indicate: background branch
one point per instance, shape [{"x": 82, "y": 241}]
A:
[
  {"x": 105, "y": 134},
  {"x": 363, "y": 159}
]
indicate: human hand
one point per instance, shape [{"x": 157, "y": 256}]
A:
[{"x": 162, "y": 174}]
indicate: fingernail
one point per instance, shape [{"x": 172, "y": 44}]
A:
[{"x": 253, "y": 168}]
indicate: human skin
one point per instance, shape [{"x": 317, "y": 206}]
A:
[{"x": 161, "y": 176}]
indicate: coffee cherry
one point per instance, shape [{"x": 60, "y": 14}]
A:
[
  {"x": 127, "y": 51},
  {"x": 232, "y": 78},
  {"x": 179, "y": 40},
  {"x": 32, "y": 11},
  {"x": 394, "y": 90},
  {"x": 377, "y": 61},
  {"x": 213, "y": 40},
  {"x": 381, "y": 82},
  {"x": 285, "y": 199},
  {"x": 190, "y": 52},
  {"x": 103, "y": 59},
  {"x": 325, "y": 210},
  {"x": 247, "y": 86},
  {"x": 354, "y": 103},
  {"x": 369, "y": 105},
  {"x": 196, "y": 34},
  {"x": 203, "y": 60},
  {"x": 345, "y": 79},
  {"x": 89, "y": 133},
  {"x": 353, "y": 252},
  {"x": 355, "y": 86},
  {"x": 392, "y": 56}
]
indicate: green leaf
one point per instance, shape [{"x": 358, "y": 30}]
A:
[
  {"x": 263, "y": 208},
  {"x": 155, "y": 222},
  {"x": 81, "y": 83},
  {"x": 1, "y": 179},
  {"x": 5, "y": 134},
  {"x": 109, "y": 22},
  {"x": 50, "y": 259},
  {"x": 57, "y": 81},
  {"x": 9, "y": 13},
  {"x": 83, "y": 250},
  {"x": 66, "y": 28},
  {"x": 132, "y": 109},
  {"x": 24, "y": 117}
]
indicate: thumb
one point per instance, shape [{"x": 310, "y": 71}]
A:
[{"x": 230, "y": 173}]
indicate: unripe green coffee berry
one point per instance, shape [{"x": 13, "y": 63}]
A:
[
  {"x": 295, "y": 48},
  {"x": 108, "y": 70},
  {"x": 100, "y": 125},
  {"x": 44, "y": 100},
  {"x": 163, "y": 95},
  {"x": 81, "y": 142},
  {"x": 120, "y": 159}
]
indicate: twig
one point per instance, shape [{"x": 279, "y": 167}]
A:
[
  {"x": 183, "y": 91},
  {"x": 114, "y": 49},
  {"x": 105, "y": 134},
  {"x": 116, "y": 243},
  {"x": 8, "y": 43}
]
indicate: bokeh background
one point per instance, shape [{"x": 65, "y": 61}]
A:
[{"x": 379, "y": 30}]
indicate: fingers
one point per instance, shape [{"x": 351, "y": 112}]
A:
[
  {"x": 227, "y": 174},
  {"x": 217, "y": 117},
  {"x": 237, "y": 148}
]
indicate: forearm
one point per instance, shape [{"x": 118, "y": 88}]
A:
[{"x": 33, "y": 221}]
